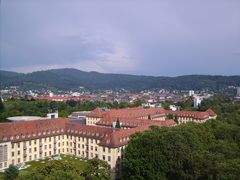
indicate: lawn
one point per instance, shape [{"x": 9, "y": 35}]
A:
[{"x": 81, "y": 164}]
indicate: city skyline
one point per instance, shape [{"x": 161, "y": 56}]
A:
[{"x": 128, "y": 37}]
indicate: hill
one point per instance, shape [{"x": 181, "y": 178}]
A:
[{"x": 66, "y": 79}]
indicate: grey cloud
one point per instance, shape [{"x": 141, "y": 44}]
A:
[{"x": 137, "y": 37}]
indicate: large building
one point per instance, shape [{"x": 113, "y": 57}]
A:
[{"x": 32, "y": 140}]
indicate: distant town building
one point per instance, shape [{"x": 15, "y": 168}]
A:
[
  {"x": 238, "y": 91},
  {"x": 197, "y": 102},
  {"x": 78, "y": 117},
  {"x": 50, "y": 94},
  {"x": 191, "y": 92},
  {"x": 52, "y": 115},
  {"x": 174, "y": 108}
]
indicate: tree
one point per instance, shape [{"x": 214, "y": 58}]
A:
[
  {"x": 97, "y": 169},
  {"x": 170, "y": 116},
  {"x": 11, "y": 173},
  {"x": 1, "y": 104},
  {"x": 190, "y": 151},
  {"x": 176, "y": 119},
  {"x": 118, "y": 125},
  {"x": 54, "y": 170}
]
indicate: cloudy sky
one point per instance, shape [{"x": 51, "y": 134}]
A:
[{"x": 149, "y": 37}]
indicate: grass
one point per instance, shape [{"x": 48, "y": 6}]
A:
[{"x": 81, "y": 164}]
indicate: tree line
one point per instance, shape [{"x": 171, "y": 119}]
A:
[{"x": 25, "y": 107}]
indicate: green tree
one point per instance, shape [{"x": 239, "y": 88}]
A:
[
  {"x": 1, "y": 104},
  {"x": 118, "y": 125},
  {"x": 170, "y": 116},
  {"x": 98, "y": 170},
  {"x": 190, "y": 151},
  {"x": 11, "y": 173}
]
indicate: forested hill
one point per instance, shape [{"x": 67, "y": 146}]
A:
[{"x": 65, "y": 79}]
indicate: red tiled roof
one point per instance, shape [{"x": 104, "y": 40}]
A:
[
  {"x": 211, "y": 112},
  {"x": 122, "y": 137},
  {"x": 98, "y": 112},
  {"x": 133, "y": 113},
  {"x": 15, "y": 131},
  {"x": 127, "y": 112},
  {"x": 128, "y": 122},
  {"x": 89, "y": 131},
  {"x": 193, "y": 114},
  {"x": 111, "y": 137}
]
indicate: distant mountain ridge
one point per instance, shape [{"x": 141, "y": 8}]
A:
[{"x": 68, "y": 78}]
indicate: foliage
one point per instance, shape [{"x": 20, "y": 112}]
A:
[
  {"x": 1, "y": 104},
  {"x": 66, "y": 79},
  {"x": 54, "y": 170},
  {"x": 97, "y": 169},
  {"x": 186, "y": 105},
  {"x": 191, "y": 151},
  {"x": 170, "y": 116},
  {"x": 118, "y": 125},
  {"x": 42, "y": 107},
  {"x": 11, "y": 173}
]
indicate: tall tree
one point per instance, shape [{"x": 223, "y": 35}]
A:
[
  {"x": 118, "y": 125},
  {"x": 11, "y": 173},
  {"x": 1, "y": 104}
]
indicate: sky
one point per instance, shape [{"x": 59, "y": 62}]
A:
[{"x": 143, "y": 37}]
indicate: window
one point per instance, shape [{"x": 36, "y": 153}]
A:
[
  {"x": 18, "y": 160},
  {"x": 30, "y": 150},
  {"x": 18, "y": 152},
  {"x": 45, "y": 147},
  {"x": 109, "y": 158},
  {"x": 50, "y": 153},
  {"x": 50, "y": 146},
  {"x": 18, "y": 145},
  {"x": 103, "y": 149},
  {"x": 103, "y": 157},
  {"x": 109, "y": 150},
  {"x": 30, "y": 143},
  {"x": 49, "y": 139},
  {"x": 12, "y": 146},
  {"x": 95, "y": 148},
  {"x": 35, "y": 149},
  {"x": 35, "y": 142}
]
